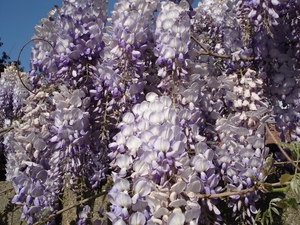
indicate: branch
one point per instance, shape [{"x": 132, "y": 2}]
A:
[
  {"x": 208, "y": 52},
  {"x": 69, "y": 207},
  {"x": 281, "y": 149},
  {"x": 228, "y": 193},
  {"x": 199, "y": 43},
  {"x": 263, "y": 186},
  {"x": 6, "y": 130},
  {"x": 282, "y": 163},
  {"x": 6, "y": 190}
]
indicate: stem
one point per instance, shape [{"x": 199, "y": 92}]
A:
[
  {"x": 69, "y": 207},
  {"x": 281, "y": 149},
  {"x": 12, "y": 215},
  {"x": 297, "y": 161},
  {"x": 173, "y": 87},
  {"x": 6, "y": 130}
]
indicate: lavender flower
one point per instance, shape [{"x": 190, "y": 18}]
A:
[{"x": 169, "y": 101}]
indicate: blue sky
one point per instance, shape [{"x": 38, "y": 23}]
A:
[{"x": 17, "y": 21}]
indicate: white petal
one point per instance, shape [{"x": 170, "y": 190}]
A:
[
  {"x": 255, "y": 96},
  {"x": 133, "y": 143},
  {"x": 176, "y": 219},
  {"x": 178, "y": 203},
  {"x": 160, "y": 212},
  {"x": 151, "y": 96},
  {"x": 178, "y": 187}
]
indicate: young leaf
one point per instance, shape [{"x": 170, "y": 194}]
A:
[
  {"x": 275, "y": 210},
  {"x": 282, "y": 204},
  {"x": 258, "y": 216},
  {"x": 285, "y": 178},
  {"x": 295, "y": 184}
]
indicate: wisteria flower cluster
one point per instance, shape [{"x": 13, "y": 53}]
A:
[
  {"x": 172, "y": 39},
  {"x": 154, "y": 147},
  {"x": 167, "y": 100},
  {"x": 72, "y": 41},
  {"x": 12, "y": 93}
]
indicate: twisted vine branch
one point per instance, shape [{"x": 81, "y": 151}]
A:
[{"x": 19, "y": 55}]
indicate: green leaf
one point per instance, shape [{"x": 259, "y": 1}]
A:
[
  {"x": 275, "y": 210},
  {"x": 267, "y": 220},
  {"x": 275, "y": 200},
  {"x": 282, "y": 204},
  {"x": 295, "y": 184},
  {"x": 258, "y": 216},
  {"x": 285, "y": 178},
  {"x": 292, "y": 202},
  {"x": 268, "y": 215},
  {"x": 293, "y": 146}
]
